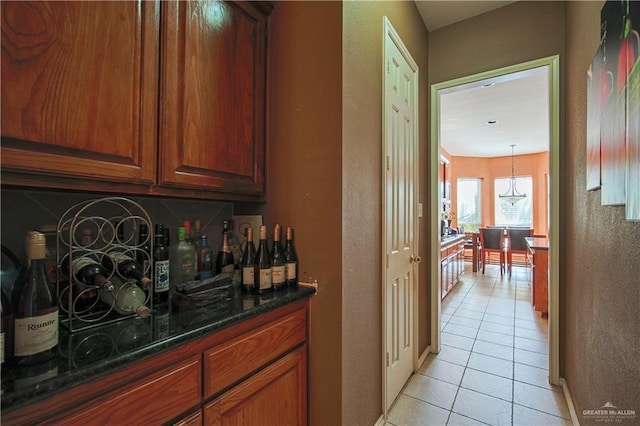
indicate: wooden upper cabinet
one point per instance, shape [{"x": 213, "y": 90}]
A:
[
  {"x": 80, "y": 89},
  {"x": 212, "y": 107}
]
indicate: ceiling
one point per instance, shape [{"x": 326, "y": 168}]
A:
[{"x": 519, "y": 103}]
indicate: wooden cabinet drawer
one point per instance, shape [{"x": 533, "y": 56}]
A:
[
  {"x": 228, "y": 363},
  {"x": 276, "y": 395},
  {"x": 157, "y": 399}
]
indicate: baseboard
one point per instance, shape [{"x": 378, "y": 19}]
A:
[
  {"x": 422, "y": 358},
  {"x": 380, "y": 421},
  {"x": 567, "y": 397}
]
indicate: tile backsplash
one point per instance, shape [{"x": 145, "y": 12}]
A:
[{"x": 26, "y": 210}]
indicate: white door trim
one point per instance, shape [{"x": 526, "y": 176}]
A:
[
  {"x": 389, "y": 33},
  {"x": 553, "y": 62}
]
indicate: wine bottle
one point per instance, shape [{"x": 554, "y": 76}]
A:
[
  {"x": 126, "y": 298},
  {"x": 235, "y": 251},
  {"x": 161, "y": 268},
  {"x": 248, "y": 262},
  {"x": 125, "y": 264},
  {"x": 290, "y": 260},
  {"x": 143, "y": 254},
  {"x": 224, "y": 260},
  {"x": 262, "y": 265},
  {"x": 35, "y": 308},
  {"x": 182, "y": 267},
  {"x": 205, "y": 259},
  {"x": 87, "y": 271},
  {"x": 277, "y": 261}
]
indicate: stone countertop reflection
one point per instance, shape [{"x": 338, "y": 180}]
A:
[{"x": 86, "y": 355}]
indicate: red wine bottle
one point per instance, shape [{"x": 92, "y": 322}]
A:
[
  {"x": 278, "y": 278},
  {"x": 126, "y": 265},
  {"x": 35, "y": 308},
  {"x": 291, "y": 260},
  {"x": 247, "y": 263},
  {"x": 87, "y": 270},
  {"x": 161, "y": 271},
  {"x": 262, "y": 265}
]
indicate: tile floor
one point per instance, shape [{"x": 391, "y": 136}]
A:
[{"x": 493, "y": 364}]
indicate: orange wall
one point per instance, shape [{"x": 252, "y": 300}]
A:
[{"x": 489, "y": 169}]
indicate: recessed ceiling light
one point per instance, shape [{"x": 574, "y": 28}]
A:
[{"x": 492, "y": 122}]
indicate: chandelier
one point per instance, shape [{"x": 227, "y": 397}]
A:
[{"x": 512, "y": 195}]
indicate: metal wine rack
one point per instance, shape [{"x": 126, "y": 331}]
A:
[{"x": 91, "y": 229}]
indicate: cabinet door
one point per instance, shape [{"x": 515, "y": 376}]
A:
[
  {"x": 80, "y": 90},
  {"x": 276, "y": 395},
  {"x": 212, "y": 131}
]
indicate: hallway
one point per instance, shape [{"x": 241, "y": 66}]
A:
[{"x": 493, "y": 364}]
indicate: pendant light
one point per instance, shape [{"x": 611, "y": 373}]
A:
[{"x": 512, "y": 195}]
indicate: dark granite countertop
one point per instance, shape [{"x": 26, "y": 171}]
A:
[{"x": 89, "y": 354}]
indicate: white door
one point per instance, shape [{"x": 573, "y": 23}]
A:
[{"x": 400, "y": 178}]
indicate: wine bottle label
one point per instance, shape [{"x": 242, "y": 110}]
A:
[
  {"x": 248, "y": 275},
  {"x": 36, "y": 334},
  {"x": 290, "y": 270},
  {"x": 161, "y": 275},
  {"x": 265, "y": 279},
  {"x": 277, "y": 275}
]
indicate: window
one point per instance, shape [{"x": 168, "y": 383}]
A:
[
  {"x": 469, "y": 204},
  {"x": 519, "y": 213}
]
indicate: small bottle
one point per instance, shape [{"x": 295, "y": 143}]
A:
[
  {"x": 205, "y": 259},
  {"x": 35, "y": 308},
  {"x": 224, "y": 260},
  {"x": 262, "y": 265},
  {"x": 183, "y": 255},
  {"x": 143, "y": 254},
  {"x": 125, "y": 264},
  {"x": 197, "y": 232},
  {"x": 161, "y": 269},
  {"x": 278, "y": 277},
  {"x": 126, "y": 298},
  {"x": 248, "y": 262},
  {"x": 187, "y": 232},
  {"x": 290, "y": 260},
  {"x": 87, "y": 271}
]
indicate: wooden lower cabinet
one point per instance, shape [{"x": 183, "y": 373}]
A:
[
  {"x": 274, "y": 396},
  {"x": 251, "y": 373},
  {"x": 162, "y": 396}
]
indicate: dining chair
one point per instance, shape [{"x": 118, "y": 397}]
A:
[
  {"x": 492, "y": 242},
  {"x": 517, "y": 245}
]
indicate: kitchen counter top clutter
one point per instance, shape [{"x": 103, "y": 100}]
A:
[{"x": 92, "y": 353}]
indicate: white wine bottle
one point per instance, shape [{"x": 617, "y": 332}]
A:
[
  {"x": 35, "y": 308},
  {"x": 126, "y": 298}
]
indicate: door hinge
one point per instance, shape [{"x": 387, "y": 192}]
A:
[
  {"x": 387, "y": 359},
  {"x": 387, "y": 162},
  {"x": 387, "y": 67},
  {"x": 387, "y": 261}
]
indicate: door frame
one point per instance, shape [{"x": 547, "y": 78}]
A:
[
  {"x": 553, "y": 62},
  {"x": 389, "y": 33}
]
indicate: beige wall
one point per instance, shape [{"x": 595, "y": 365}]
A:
[
  {"x": 489, "y": 169},
  {"x": 304, "y": 174},
  {"x": 361, "y": 195},
  {"x": 600, "y": 290}
]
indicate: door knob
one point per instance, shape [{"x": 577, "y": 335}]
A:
[{"x": 415, "y": 258}]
